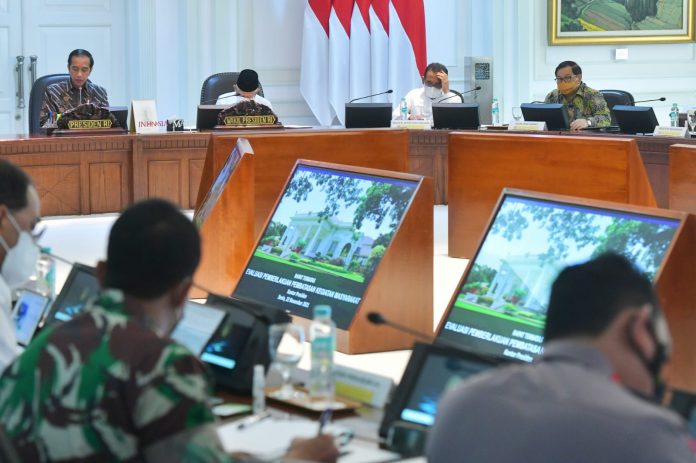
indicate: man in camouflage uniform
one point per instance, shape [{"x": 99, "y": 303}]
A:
[
  {"x": 110, "y": 385},
  {"x": 75, "y": 90},
  {"x": 585, "y": 106}
]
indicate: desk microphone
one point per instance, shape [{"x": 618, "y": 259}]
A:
[
  {"x": 214, "y": 100},
  {"x": 460, "y": 94},
  {"x": 370, "y": 96},
  {"x": 376, "y": 318},
  {"x": 647, "y": 101}
]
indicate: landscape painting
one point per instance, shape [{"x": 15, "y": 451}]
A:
[{"x": 586, "y": 22}]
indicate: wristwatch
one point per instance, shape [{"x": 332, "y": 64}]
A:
[{"x": 589, "y": 122}]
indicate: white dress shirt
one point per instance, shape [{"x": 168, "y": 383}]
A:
[
  {"x": 8, "y": 340},
  {"x": 232, "y": 98},
  {"x": 420, "y": 105}
]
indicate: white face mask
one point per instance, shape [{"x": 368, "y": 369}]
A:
[
  {"x": 20, "y": 261},
  {"x": 432, "y": 92}
]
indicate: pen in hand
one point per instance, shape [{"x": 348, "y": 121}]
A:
[
  {"x": 253, "y": 419},
  {"x": 324, "y": 419}
]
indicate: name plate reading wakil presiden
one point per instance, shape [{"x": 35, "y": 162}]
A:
[
  {"x": 266, "y": 119},
  {"x": 90, "y": 124}
]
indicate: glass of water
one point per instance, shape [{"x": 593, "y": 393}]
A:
[
  {"x": 517, "y": 113},
  {"x": 286, "y": 346},
  {"x": 691, "y": 119}
]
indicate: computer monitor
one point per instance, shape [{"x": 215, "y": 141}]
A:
[
  {"x": 206, "y": 116},
  {"x": 197, "y": 326},
  {"x": 500, "y": 306},
  {"x": 121, "y": 115},
  {"x": 325, "y": 239},
  {"x": 462, "y": 116},
  {"x": 431, "y": 371},
  {"x": 368, "y": 115},
  {"x": 27, "y": 314},
  {"x": 554, "y": 114},
  {"x": 635, "y": 119},
  {"x": 80, "y": 289}
]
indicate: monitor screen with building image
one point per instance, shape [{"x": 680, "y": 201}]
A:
[
  {"x": 500, "y": 306},
  {"x": 325, "y": 240}
]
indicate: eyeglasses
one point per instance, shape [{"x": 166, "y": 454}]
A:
[
  {"x": 568, "y": 78},
  {"x": 429, "y": 84}
]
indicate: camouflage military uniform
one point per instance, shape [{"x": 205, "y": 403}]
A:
[
  {"x": 587, "y": 103},
  {"x": 103, "y": 387},
  {"x": 62, "y": 96}
]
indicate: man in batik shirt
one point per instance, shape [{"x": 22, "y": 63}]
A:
[
  {"x": 75, "y": 90},
  {"x": 110, "y": 385}
]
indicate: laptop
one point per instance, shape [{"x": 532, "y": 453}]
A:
[
  {"x": 80, "y": 289},
  {"x": 27, "y": 313},
  {"x": 197, "y": 326},
  {"x": 432, "y": 370}
]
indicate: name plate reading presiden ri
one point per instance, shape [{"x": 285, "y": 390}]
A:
[{"x": 87, "y": 124}]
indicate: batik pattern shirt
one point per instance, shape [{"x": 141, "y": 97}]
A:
[
  {"x": 62, "y": 96},
  {"x": 587, "y": 103},
  {"x": 104, "y": 387}
]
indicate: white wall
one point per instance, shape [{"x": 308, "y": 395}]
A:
[{"x": 196, "y": 39}]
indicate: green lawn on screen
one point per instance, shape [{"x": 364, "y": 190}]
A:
[
  {"x": 308, "y": 266},
  {"x": 460, "y": 303}
]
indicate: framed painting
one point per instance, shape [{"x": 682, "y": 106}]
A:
[{"x": 602, "y": 22}]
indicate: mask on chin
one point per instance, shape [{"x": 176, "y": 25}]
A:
[
  {"x": 20, "y": 261},
  {"x": 432, "y": 92},
  {"x": 567, "y": 88},
  {"x": 663, "y": 344}
]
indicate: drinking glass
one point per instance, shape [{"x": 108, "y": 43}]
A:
[
  {"x": 517, "y": 113},
  {"x": 289, "y": 339},
  {"x": 691, "y": 119}
]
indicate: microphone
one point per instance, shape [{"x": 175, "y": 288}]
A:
[
  {"x": 376, "y": 318},
  {"x": 647, "y": 101},
  {"x": 62, "y": 259},
  {"x": 214, "y": 100},
  {"x": 460, "y": 94},
  {"x": 370, "y": 96}
]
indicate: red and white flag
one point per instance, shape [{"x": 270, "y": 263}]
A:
[
  {"x": 407, "y": 51},
  {"x": 314, "y": 80},
  {"x": 351, "y": 48},
  {"x": 339, "y": 55}
]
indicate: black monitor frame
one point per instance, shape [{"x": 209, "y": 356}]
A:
[
  {"x": 60, "y": 299},
  {"x": 635, "y": 119},
  {"x": 412, "y": 373},
  {"x": 368, "y": 115},
  {"x": 206, "y": 116},
  {"x": 554, "y": 114},
  {"x": 456, "y": 116},
  {"x": 121, "y": 115}
]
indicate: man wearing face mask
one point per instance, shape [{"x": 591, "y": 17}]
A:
[
  {"x": 435, "y": 89},
  {"x": 19, "y": 214},
  {"x": 585, "y": 106},
  {"x": 587, "y": 398},
  {"x": 110, "y": 385}
]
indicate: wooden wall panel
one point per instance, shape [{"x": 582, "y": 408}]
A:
[
  {"x": 58, "y": 187},
  {"x": 682, "y": 178},
  {"x": 164, "y": 180},
  {"x": 105, "y": 180}
]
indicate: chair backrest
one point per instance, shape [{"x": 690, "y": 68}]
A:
[
  {"x": 36, "y": 98},
  {"x": 617, "y": 97},
  {"x": 8, "y": 454},
  {"x": 217, "y": 84}
]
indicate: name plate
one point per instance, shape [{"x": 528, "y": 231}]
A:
[
  {"x": 528, "y": 126},
  {"x": 90, "y": 124},
  {"x": 362, "y": 386},
  {"x": 417, "y": 124},
  {"x": 669, "y": 131},
  {"x": 269, "y": 119}
]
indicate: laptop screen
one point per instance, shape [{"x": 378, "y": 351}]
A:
[
  {"x": 27, "y": 314},
  {"x": 197, "y": 326},
  {"x": 80, "y": 289}
]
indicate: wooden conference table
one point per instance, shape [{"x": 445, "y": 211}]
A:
[{"x": 98, "y": 174}]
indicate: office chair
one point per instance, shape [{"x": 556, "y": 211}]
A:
[
  {"x": 217, "y": 84},
  {"x": 617, "y": 97},
  {"x": 36, "y": 98}
]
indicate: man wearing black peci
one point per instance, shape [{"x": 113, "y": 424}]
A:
[{"x": 75, "y": 90}]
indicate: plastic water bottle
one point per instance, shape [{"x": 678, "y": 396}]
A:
[
  {"x": 258, "y": 390},
  {"x": 495, "y": 112},
  {"x": 322, "y": 334},
  {"x": 46, "y": 274},
  {"x": 403, "y": 107},
  {"x": 674, "y": 115}
]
